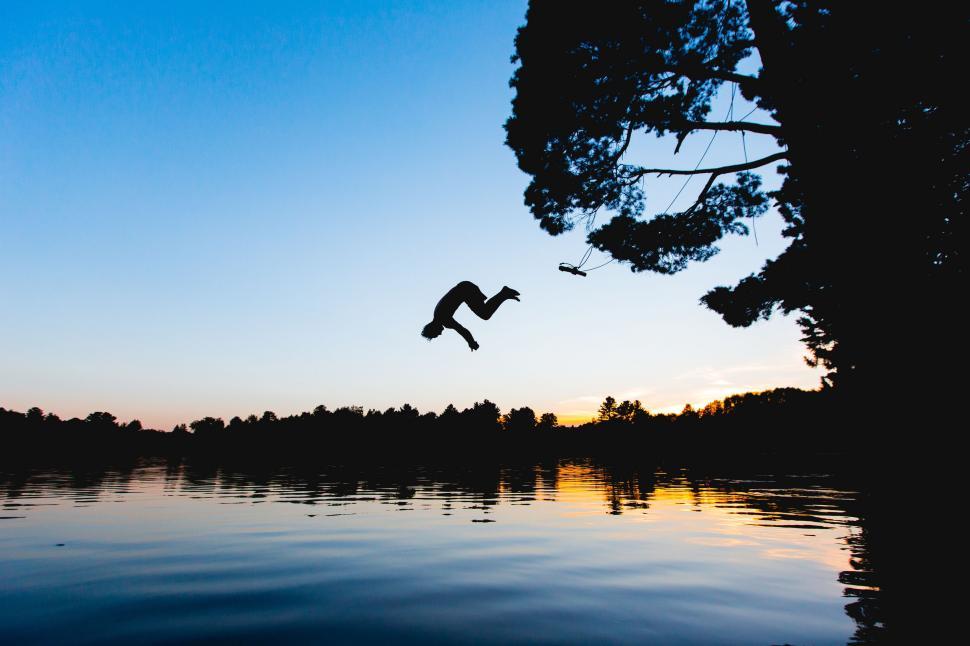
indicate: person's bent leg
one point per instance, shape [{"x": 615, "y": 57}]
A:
[{"x": 485, "y": 308}]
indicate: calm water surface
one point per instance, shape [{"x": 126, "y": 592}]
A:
[{"x": 561, "y": 552}]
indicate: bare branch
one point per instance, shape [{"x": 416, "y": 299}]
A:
[
  {"x": 636, "y": 174},
  {"x": 626, "y": 143},
  {"x": 734, "y": 126},
  {"x": 724, "y": 75},
  {"x": 698, "y": 72},
  {"x": 703, "y": 193},
  {"x": 681, "y": 136}
]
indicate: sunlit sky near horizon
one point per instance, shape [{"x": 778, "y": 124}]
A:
[{"x": 241, "y": 207}]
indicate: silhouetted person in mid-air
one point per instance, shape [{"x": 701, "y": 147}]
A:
[{"x": 468, "y": 293}]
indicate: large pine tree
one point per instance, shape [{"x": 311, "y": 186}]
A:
[{"x": 865, "y": 106}]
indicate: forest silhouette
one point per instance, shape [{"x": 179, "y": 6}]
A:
[{"x": 780, "y": 420}]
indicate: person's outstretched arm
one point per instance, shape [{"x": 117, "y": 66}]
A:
[{"x": 457, "y": 327}]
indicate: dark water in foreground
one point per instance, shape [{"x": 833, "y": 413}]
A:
[{"x": 560, "y": 552}]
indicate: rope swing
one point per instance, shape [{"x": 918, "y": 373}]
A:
[{"x": 577, "y": 269}]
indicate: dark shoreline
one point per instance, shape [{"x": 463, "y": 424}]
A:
[{"x": 779, "y": 425}]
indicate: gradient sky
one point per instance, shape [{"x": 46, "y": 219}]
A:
[{"x": 255, "y": 206}]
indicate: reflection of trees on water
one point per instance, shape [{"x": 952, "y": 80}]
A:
[
  {"x": 791, "y": 501},
  {"x": 862, "y": 586}
]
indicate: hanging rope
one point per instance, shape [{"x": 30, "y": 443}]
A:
[
  {"x": 744, "y": 147},
  {"x": 729, "y": 117},
  {"x": 603, "y": 265},
  {"x": 690, "y": 177},
  {"x": 577, "y": 269},
  {"x": 754, "y": 229}
]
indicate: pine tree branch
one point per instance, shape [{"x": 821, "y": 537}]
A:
[
  {"x": 637, "y": 173},
  {"x": 699, "y": 72},
  {"x": 625, "y": 145},
  {"x": 703, "y": 193},
  {"x": 734, "y": 126}
]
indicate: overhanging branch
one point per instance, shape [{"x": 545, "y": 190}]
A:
[
  {"x": 699, "y": 72},
  {"x": 625, "y": 144},
  {"x": 734, "y": 126},
  {"x": 703, "y": 193},
  {"x": 636, "y": 173}
]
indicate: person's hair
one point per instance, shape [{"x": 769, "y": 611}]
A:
[{"x": 432, "y": 330}]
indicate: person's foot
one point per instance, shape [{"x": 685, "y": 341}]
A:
[{"x": 511, "y": 293}]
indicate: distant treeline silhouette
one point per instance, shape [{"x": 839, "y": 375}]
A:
[{"x": 783, "y": 419}]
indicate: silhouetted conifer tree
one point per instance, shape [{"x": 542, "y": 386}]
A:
[{"x": 872, "y": 141}]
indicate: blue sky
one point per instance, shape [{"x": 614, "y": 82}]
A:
[{"x": 250, "y": 207}]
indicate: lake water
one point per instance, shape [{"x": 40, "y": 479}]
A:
[{"x": 557, "y": 552}]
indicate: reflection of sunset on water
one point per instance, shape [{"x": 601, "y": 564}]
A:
[
  {"x": 759, "y": 558},
  {"x": 728, "y": 522}
]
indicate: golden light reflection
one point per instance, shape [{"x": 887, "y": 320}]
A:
[{"x": 726, "y": 519}]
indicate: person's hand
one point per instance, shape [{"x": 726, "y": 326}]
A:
[{"x": 473, "y": 345}]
